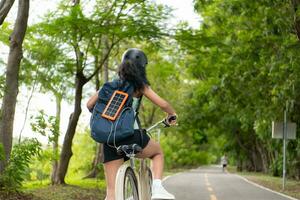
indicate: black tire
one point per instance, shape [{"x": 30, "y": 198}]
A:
[
  {"x": 130, "y": 187},
  {"x": 150, "y": 180}
]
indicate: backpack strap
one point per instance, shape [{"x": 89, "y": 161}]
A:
[
  {"x": 138, "y": 106},
  {"x": 138, "y": 119}
]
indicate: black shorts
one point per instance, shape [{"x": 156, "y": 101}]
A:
[
  {"x": 110, "y": 153},
  {"x": 224, "y": 165}
]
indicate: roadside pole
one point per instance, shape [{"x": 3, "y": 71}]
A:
[
  {"x": 284, "y": 147},
  {"x": 286, "y": 131}
]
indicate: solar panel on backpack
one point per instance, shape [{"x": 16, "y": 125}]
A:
[{"x": 115, "y": 105}]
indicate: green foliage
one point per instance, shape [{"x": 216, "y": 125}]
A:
[
  {"x": 40, "y": 167},
  {"x": 244, "y": 59},
  {"x": 162, "y": 75},
  {"x": 46, "y": 125},
  {"x": 16, "y": 169},
  {"x": 2, "y": 81},
  {"x": 181, "y": 152},
  {"x": 2, "y": 153},
  {"x": 5, "y": 32},
  {"x": 80, "y": 164},
  {"x": 84, "y": 149}
]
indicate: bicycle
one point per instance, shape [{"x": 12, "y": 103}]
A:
[{"x": 130, "y": 183}]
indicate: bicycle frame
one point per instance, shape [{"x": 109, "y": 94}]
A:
[{"x": 143, "y": 175}]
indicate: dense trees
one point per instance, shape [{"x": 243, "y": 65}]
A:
[{"x": 245, "y": 62}]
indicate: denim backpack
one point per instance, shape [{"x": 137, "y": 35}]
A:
[{"x": 109, "y": 131}]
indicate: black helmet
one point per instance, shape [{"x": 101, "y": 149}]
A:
[{"x": 137, "y": 56}]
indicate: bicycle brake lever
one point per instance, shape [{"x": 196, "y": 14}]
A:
[{"x": 167, "y": 121}]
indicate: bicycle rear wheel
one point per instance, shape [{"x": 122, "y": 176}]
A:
[
  {"x": 149, "y": 182},
  {"x": 146, "y": 183},
  {"x": 130, "y": 188}
]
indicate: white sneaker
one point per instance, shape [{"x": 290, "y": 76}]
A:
[{"x": 159, "y": 192}]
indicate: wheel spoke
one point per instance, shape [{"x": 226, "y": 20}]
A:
[{"x": 130, "y": 187}]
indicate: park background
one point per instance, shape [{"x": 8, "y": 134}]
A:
[{"x": 228, "y": 67}]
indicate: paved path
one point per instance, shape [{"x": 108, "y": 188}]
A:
[{"x": 211, "y": 184}]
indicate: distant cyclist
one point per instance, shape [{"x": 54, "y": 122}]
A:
[
  {"x": 224, "y": 162},
  {"x": 133, "y": 70}
]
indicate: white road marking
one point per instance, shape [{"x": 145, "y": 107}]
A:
[
  {"x": 262, "y": 187},
  {"x": 167, "y": 177}
]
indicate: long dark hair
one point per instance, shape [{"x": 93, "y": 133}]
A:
[{"x": 134, "y": 74}]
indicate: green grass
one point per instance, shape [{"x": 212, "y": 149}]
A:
[
  {"x": 275, "y": 183},
  {"x": 30, "y": 185},
  {"x": 69, "y": 192},
  {"x": 76, "y": 189}
]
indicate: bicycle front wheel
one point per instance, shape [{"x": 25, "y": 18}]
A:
[{"x": 130, "y": 188}]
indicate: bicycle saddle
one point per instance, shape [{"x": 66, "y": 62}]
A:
[{"x": 130, "y": 149}]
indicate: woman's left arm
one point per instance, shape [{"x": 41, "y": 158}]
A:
[{"x": 92, "y": 101}]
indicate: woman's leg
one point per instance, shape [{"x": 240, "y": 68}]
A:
[
  {"x": 154, "y": 151},
  {"x": 111, "y": 169}
]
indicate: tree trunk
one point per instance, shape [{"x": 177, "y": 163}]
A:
[
  {"x": 97, "y": 160},
  {"x": 5, "y": 6},
  {"x": 239, "y": 165},
  {"x": 58, "y": 99},
  {"x": 97, "y": 76},
  {"x": 66, "y": 152},
  {"x": 263, "y": 156},
  {"x": 247, "y": 150},
  {"x": 106, "y": 63},
  {"x": 12, "y": 77},
  {"x": 298, "y": 169}
]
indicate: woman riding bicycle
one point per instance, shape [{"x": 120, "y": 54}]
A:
[{"x": 133, "y": 70}]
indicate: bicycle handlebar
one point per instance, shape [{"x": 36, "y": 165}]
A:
[{"x": 165, "y": 122}]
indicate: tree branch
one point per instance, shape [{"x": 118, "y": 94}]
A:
[
  {"x": 103, "y": 60},
  {"x": 108, "y": 12},
  {"x": 27, "y": 108},
  {"x": 86, "y": 54},
  {"x": 5, "y": 6}
]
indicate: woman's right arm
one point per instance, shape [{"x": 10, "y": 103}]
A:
[
  {"x": 157, "y": 100},
  {"x": 92, "y": 101}
]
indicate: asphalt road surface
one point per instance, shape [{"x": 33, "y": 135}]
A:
[{"x": 210, "y": 183}]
